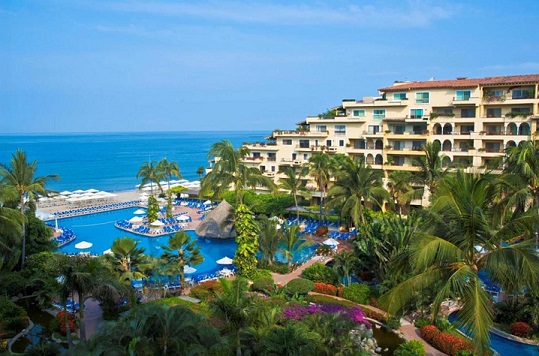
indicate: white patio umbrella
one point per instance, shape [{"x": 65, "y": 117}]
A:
[
  {"x": 225, "y": 261},
  {"x": 140, "y": 212},
  {"x": 135, "y": 220},
  {"x": 184, "y": 195},
  {"x": 66, "y": 192},
  {"x": 92, "y": 190},
  {"x": 188, "y": 269},
  {"x": 78, "y": 191},
  {"x": 331, "y": 242},
  {"x": 157, "y": 223},
  {"x": 83, "y": 245},
  {"x": 207, "y": 202},
  {"x": 182, "y": 218},
  {"x": 108, "y": 252}
]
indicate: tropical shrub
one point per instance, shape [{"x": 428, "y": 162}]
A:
[
  {"x": 247, "y": 239},
  {"x": 13, "y": 318},
  {"x": 322, "y": 299},
  {"x": 410, "y": 348},
  {"x": 521, "y": 329},
  {"x": 357, "y": 292},
  {"x": 324, "y": 250},
  {"x": 421, "y": 322},
  {"x": 264, "y": 285},
  {"x": 321, "y": 273},
  {"x": 300, "y": 286},
  {"x": 260, "y": 273},
  {"x": 381, "y": 317},
  {"x": 12, "y": 283},
  {"x": 444, "y": 325},
  {"x": 206, "y": 290},
  {"x": 445, "y": 342},
  {"x": 325, "y": 288},
  {"x": 393, "y": 323},
  {"x": 279, "y": 267},
  {"x": 299, "y": 312},
  {"x": 61, "y": 323}
]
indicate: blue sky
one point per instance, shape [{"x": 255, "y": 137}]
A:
[{"x": 109, "y": 66}]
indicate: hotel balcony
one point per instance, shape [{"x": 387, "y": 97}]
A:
[
  {"x": 289, "y": 133},
  {"x": 466, "y": 101},
  {"x": 292, "y": 162},
  {"x": 353, "y": 104},
  {"x": 262, "y": 146},
  {"x": 406, "y": 135},
  {"x": 403, "y": 167},
  {"x": 409, "y": 151}
]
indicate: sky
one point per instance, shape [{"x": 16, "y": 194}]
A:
[{"x": 122, "y": 66}]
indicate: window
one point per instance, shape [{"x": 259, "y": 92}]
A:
[
  {"x": 462, "y": 95},
  {"x": 521, "y": 110},
  {"x": 328, "y": 143},
  {"x": 467, "y": 112},
  {"x": 340, "y": 129},
  {"x": 494, "y": 112},
  {"x": 444, "y": 111},
  {"x": 359, "y": 113},
  {"x": 341, "y": 143},
  {"x": 373, "y": 129},
  {"x": 399, "y": 96},
  {"x": 273, "y": 168},
  {"x": 321, "y": 128},
  {"x": 272, "y": 157},
  {"x": 416, "y": 113},
  {"x": 287, "y": 141},
  {"x": 521, "y": 94},
  {"x": 379, "y": 114},
  {"x": 304, "y": 143},
  {"x": 305, "y": 156},
  {"x": 422, "y": 98}
]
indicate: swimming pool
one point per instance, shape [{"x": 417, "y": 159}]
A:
[
  {"x": 100, "y": 231},
  {"x": 506, "y": 347}
]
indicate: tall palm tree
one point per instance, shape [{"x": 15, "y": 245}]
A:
[
  {"x": 126, "y": 259},
  {"x": 268, "y": 240},
  {"x": 20, "y": 175},
  {"x": 345, "y": 264},
  {"x": 401, "y": 189},
  {"x": 356, "y": 185},
  {"x": 320, "y": 167},
  {"x": 149, "y": 173},
  {"x": 292, "y": 339},
  {"x": 431, "y": 168},
  {"x": 229, "y": 171},
  {"x": 168, "y": 170},
  {"x": 11, "y": 221},
  {"x": 181, "y": 251},
  {"x": 295, "y": 184},
  {"x": 462, "y": 217},
  {"x": 200, "y": 171},
  {"x": 293, "y": 242}
]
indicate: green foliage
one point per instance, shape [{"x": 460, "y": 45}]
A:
[
  {"x": 421, "y": 322},
  {"x": 260, "y": 273},
  {"x": 444, "y": 325},
  {"x": 321, "y": 273},
  {"x": 410, "y": 348},
  {"x": 13, "y": 317},
  {"x": 357, "y": 292},
  {"x": 11, "y": 283},
  {"x": 324, "y": 299},
  {"x": 247, "y": 239},
  {"x": 206, "y": 290},
  {"x": 393, "y": 323},
  {"x": 266, "y": 204},
  {"x": 300, "y": 286},
  {"x": 279, "y": 267},
  {"x": 264, "y": 285},
  {"x": 38, "y": 236},
  {"x": 153, "y": 208}
]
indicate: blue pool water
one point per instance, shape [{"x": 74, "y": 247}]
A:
[
  {"x": 99, "y": 229},
  {"x": 507, "y": 347}
]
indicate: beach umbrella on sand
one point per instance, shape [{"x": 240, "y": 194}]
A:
[
  {"x": 83, "y": 245},
  {"x": 135, "y": 220},
  {"x": 225, "y": 261},
  {"x": 78, "y": 191},
  {"x": 66, "y": 192},
  {"x": 140, "y": 212},
  {"x": 188, "y": 269}
]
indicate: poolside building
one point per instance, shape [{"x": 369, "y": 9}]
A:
[{"x": 474, "y": 120}]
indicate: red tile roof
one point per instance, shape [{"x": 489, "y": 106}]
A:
[{"x": 463, "y": 83}]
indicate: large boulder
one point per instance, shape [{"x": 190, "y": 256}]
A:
[{"x": 219, "y": 223}]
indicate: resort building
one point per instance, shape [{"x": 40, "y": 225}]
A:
[{"x": 474, "y": 120}]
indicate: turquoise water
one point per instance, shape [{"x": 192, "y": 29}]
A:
[
  {"x": 99, "y": 229},
  {"x": 110, "y": 161},
  {"x": 507, "y": 347}
]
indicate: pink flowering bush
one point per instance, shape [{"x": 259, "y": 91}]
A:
[{"x": 300, "y": 312}]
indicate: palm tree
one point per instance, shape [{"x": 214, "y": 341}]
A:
[
  {"x": 149, "y": 172},
  {"x": 268, "y": 240},
  {"x": 200, "y": 171},
  {"x": 126, "y": 259},
  {"x": 293, "y": 241},
  {"x": 295, "y": 184},
  {"x": 292, "y": 339},
  {"x": 444, "y": 253},
  {"x": 229, "y": 171},
  {"x": 168, "y": 170},
  {"x": 11, "y": 221},
  {"x": 20, "y": 176},
  {"x": 345, "y": 263},
  {"x": 400, "y": 188},
  {"x": 431, "y": 168},
  {"x": 357, "y": 184},
  {"x": 320, "y": 167},
  {"x": 181, "y": 251},
  {"x": 234, "y": 307}
]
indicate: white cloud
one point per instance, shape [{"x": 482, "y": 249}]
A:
[{"x": 413, "y": 13}]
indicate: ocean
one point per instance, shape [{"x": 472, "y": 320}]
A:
[{"x": 110, "y": 161}]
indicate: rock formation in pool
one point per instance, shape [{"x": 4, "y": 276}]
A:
[{"x": 219, "y": 223}]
